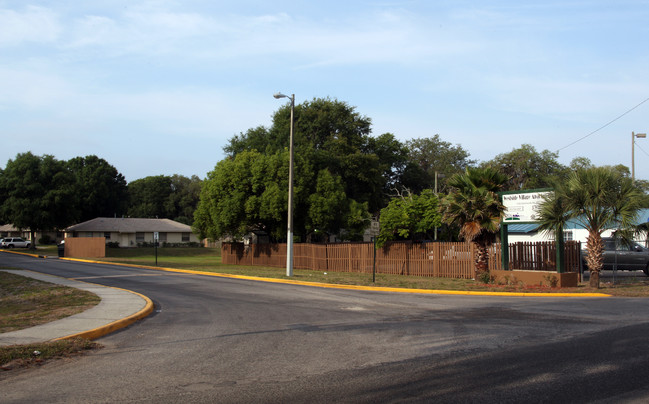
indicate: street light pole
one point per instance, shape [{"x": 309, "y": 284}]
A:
[
  {"x": 633, "y": 136},
  {"x": 289, "y": 230}
]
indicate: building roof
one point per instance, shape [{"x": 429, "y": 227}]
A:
[
  {"x": 523, "y": 228},
  {"x": 130, "y": 225},
  {"x": 8, "y": 227}
]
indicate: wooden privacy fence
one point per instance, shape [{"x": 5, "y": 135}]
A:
[
  {"x": 447, "y": 260},
  {"x": 541, "y": 256}
]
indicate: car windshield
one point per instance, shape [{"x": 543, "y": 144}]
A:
[{"x": 620, "y": 245}]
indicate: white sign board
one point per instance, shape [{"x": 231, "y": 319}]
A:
[
  {"x": 156, "y": 236},
  {"x": 523, "y": 207}
]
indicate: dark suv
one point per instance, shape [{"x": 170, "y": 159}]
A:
[{"x": 623, "y": 256}]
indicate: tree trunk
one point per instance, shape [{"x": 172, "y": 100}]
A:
[
  {"x": 595, "y": 259},
  {"x": 594, "y": 279},
  {"x": 481, "y": 262}
]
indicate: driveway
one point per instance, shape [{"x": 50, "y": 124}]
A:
[{"x": 232, "y": 341}]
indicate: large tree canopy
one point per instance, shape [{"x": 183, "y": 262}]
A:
[
  {"x": 332, "y": 136},
  {"x": 38, "y": 193},
  {"x": 173, "y": 197},
  {"x": 148, "y": 196},
  {"x": 529, "y": 169},
  {"x": 249, "y": 193},
  {"x": 184, "y": 197},
  {"x": 434, "y": 155},
  {"x": 410, "y": 217},
  {"x": 100, "y": 188}
]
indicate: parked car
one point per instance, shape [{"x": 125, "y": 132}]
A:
[
  {"x": 623, "y": 256},
  {"x": 16, "y": 242}
]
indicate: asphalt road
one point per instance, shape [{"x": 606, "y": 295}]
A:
[{"x": 234, "y": 341}]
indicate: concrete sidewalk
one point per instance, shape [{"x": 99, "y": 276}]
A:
[{"x": 118, "y": 308}]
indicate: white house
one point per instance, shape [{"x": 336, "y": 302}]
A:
[{"x": 131, "y": 232}]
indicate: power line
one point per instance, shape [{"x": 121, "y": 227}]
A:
[
  {"x": 602, "y": 127},
  {"x": 639, "y": 147}
]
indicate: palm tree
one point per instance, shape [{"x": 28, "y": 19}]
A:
[
  {"x": 474, "y": 206},
  {"x": 599, "y": 199}
]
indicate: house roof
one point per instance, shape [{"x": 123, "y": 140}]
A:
[
  {"x": 130, "y": 225},
  {"x": 8, "y": 227}
]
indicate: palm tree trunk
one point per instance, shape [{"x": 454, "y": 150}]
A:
[
  {"x": 481, "y": 261},
  {"x": 595, "y": 260}
]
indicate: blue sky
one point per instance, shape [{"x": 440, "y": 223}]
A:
[{"x": 158, "y": 87}]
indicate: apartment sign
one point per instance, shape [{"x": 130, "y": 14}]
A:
[{"x": 523, "y": 207}]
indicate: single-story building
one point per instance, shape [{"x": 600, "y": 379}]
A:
[
  {"x": 131, "y": 232},
  {"x": 528, "y": 232},
  {"x": 9, "y": 230}
]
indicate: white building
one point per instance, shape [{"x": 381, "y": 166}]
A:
[
  {"x": 528, "y": 232},
  {"x": 131, "y": 232}
]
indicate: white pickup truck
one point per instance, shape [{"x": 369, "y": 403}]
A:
[{"x": 12, "y": 242}]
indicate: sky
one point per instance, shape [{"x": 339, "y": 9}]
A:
[{"x": 159, "y": 87}]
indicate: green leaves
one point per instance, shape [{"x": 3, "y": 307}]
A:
[
  {"x": 38, "y": 193},
  {"x": 410, "y": 216},
  {"x": 473, "y": 205},
  {"x": 599, "y": 198},
  {"x": 527, "y": 168}
]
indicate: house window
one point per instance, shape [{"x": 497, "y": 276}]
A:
[
  {"x": 185, "y": 237},
  {"x": 567, "y": 236},
  {"x": 107, "y": 235},
  {"x": 139, "y": 237},
  {"x": 162, "y": 236}
]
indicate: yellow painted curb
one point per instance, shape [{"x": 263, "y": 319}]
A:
[
  {"x": 22, "y": 253},
  {"x": 110, "y": 327},
  {"x": 351, "y": 287},
  {"x": 115, "y": 325}
]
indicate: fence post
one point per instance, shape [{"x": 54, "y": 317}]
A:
[
  {"x": 349, "y": 257},
  {"x": 560, "y": 252},
  {"x": 504, "y": 247},
  {"x": 437, "y": 258},
  {"x": 374, "y": 260}
]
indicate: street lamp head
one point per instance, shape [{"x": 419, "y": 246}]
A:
[
  {"x": 280, "y": 95},
  {"x": 641, "y": 135}
]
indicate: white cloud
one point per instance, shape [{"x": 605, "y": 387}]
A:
[{"x": 32, "y": 24}]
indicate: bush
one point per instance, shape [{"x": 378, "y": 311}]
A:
[
  {"x": 166, "y": 244},
  {"x": 46, "y": 239},
  {"x": 112, "y": 244}
]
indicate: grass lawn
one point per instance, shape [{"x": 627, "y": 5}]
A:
[{"x": 26, "y": 302}]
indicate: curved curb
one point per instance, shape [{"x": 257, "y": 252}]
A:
[
  {"x": 351, "y": 287},
  {"x": 22, "y": 253},
  {"x": 115, "y": 325},
  {"x": 107, "y": 328}
]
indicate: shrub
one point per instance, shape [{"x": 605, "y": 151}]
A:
[{"x": 46, "y": 239}]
